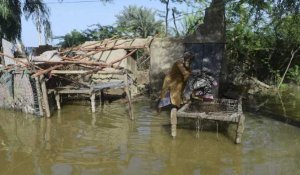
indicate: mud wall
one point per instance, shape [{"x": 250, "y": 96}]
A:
[
  {"x": 163, "y": 53},
  {"x": 207, "y": 43}
]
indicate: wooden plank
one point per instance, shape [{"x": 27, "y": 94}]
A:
[
  {"x": 114, "y": 48},
  {"x": 45, "y": 96},
  {"x": 86, "y": 72},
  {"x": 221, "y": 116},
  {"x": 74, "y": 91},
  {"x": 240, "y": 129}
]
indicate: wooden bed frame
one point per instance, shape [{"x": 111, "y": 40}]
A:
[{"x": 227, "y": 110}]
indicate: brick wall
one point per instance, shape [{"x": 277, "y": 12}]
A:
[{"x": 18, "y": 92}]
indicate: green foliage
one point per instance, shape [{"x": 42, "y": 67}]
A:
[
  {"x": 100, "y": 32},
  {"x": 10, "y": 17},
  {"x": 39, "y": 13},
  {"x": 72, "y": 39},
  {"x": 293, "y": 74},
  {"x": 261, "y": 36},
  {"x": 138, "y": 22}
]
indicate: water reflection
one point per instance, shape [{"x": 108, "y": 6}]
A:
[
  {"x": 75, "y": 141},
  {"x": 283, "y": 105}
]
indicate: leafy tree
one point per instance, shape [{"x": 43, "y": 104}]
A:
[
  {"x": 12, "y": 10},
  {"x": 138, "y": 22},
  {"x": 10, "y": 17},
  {"x": 261, "y": 36},
  {"x": 100, "y": 32},
  {"x": 72, "y": 39},
  {"x": 39, "y": 13}
]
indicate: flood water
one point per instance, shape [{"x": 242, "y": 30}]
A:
[
  {"x": 283, "y": 106},
  {"x": 76, "y": 142}
]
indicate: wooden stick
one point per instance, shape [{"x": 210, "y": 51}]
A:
[
  {"x": 115, "y": 48},
  {"x": 75, "y": 62},
  {"x": 86, "y": 72},
  {"x": 46, "y": 70},
  {"x": 118, "y": 60}
]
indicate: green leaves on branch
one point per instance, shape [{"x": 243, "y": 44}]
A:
[
  {"x": 138, "y": 22},
  {"x": 261, "y": 36},
  {"x": 10, "y": 17}
]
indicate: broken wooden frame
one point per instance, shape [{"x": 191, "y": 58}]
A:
[
  {"x": 82, "y": 60},
  {"x": 97, "y": 89},
  {"x": 228, "y": 110}
]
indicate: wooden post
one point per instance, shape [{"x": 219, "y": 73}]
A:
[
  {"x": 57, "y": 99},
  {"x": 240, "y": 124},
  {"x": 240, "y": 129},
  {"x": 100, "y": 98},
  {"x": 45, "y": 96},
  {"x": 93, "y": 95},
  {"x": 173, "y": 118},
  {"x": 39, "y": 95},
  {"x": 128, "y": 95}
]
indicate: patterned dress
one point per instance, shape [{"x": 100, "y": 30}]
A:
[{"x": 173, "y": 84}]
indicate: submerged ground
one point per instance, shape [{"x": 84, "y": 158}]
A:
[{"x": 75, "y": 141}]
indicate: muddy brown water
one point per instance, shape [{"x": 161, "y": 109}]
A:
[{"x": 76, "y": 142}]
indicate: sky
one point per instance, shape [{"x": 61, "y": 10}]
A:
[{"x": 79, "y": 14}]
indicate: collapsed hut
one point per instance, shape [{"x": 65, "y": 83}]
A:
[{"x": 29, "y": 84}]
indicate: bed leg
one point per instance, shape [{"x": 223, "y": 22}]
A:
[{"x": 173, "y": 122}]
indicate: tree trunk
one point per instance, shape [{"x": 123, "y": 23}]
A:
[{"x": 167, "y": 15}]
